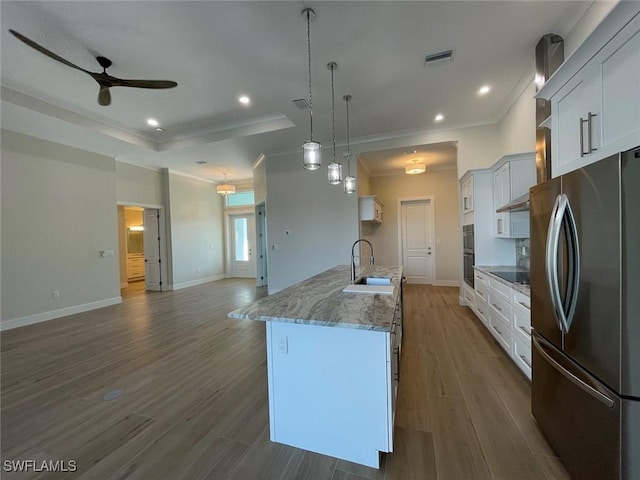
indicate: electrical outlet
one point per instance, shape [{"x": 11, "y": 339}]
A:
[
  {"x": 55, "y": 294},
  {"x": 283, "y": 344}
]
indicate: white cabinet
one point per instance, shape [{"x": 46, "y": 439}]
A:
[
  {"x": 502, "y": 196},
  {"x": 512, "y": 177},
  {"x": 333, "y": 390},
  {"x": 595, "y": 94},
  {"x": 467, "y": 195},
  {"x": 370, "y": 209},
  {"x": 506, "y": 313},
  {"x": 135, "y": 266},
  {"x": 469, "y": 296}
]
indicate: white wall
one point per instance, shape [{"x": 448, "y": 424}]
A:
[
  {"x": 443, "y": 185},
  {"x": 323, "y": 221},
  {"x": 260, "y": 182},
  {"x": 196, "y": 232},
  {"x": 596, "y": 12},
  {"x": 138, "y": 185},
  {"x": 58, "y": 213},
  {"x": 517, "y": 128}
]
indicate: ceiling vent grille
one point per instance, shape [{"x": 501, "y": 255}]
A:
[
  {"x": 301, "y": 103},
  {"x": 437, "y": 59}
]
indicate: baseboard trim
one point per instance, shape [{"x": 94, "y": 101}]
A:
[
  {"x": 200, "y": 281},
  {"x": 446, "y": 283},
  {"x": 53, "y": 314}
]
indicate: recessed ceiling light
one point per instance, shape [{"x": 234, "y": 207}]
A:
[
  {"x": 152, "y": 122},
  {"x": 439, "y": 117},
  {"x": 244, "y": 100},
  {"x": 484, "y": 90}
]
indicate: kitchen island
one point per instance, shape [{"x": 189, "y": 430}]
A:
[{"x": 332, "y": 362}]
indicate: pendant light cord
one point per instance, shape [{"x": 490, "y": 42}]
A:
[
  {"x": 347, "y": 98},
  {"x": 309, "y": 57},
  {"x": 333, "y": 114}
]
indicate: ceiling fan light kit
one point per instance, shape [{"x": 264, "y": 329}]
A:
[{"x": 104, "y": 80}]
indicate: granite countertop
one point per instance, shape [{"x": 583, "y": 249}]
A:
[
  {"x": 319, "y": 300},
  {"x": 487, "y": 269}
]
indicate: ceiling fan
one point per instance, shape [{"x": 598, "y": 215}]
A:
[{"x": 105, "y": 80}]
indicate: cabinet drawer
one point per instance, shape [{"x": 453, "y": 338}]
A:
[
  {"x": 482, "y": 289},
  {"x": 522, "y": 322},
  {"x": 501, "y": 306},
  {"x": 500, "y": 330},
  {"x": 480, "y": 277},
  {"x": 501, "y": 288},
  {"x": 482, "y": 309},
  {"x": 521, "y": 300},
  {"x": 469, "y": 296},
  {"x": 522, "y": 355}
]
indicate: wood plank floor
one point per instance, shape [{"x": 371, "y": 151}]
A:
[{"x": 195, "y": 395}]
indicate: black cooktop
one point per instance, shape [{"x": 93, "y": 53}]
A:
[{"x": 521, "y": 278}]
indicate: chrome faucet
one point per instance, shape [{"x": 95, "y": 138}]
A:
[{"x": 353, "y": 260}]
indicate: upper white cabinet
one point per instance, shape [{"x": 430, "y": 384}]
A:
[
  {"x": 370, "y": 209},
  {"x": 512, "y": 177},
  {"x": 595, "y": 94},
  {"x": 467, "y": 195},
  {"x": 502, "y": 196}
]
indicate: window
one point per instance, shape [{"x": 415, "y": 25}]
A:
[
  {"x": 240, "y": 199},
  {"x": 242, "y": 241}
]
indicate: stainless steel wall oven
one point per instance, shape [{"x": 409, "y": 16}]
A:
[{"x": 468, "y": 256}]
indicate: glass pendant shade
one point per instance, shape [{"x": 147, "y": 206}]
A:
[
  {"x": 311, "y": 155},
  {"x": 226, "y": 189},
  {"x": 349, "y": 184},
  {"x": 334, "y": 171},
  {"x": 415, "y": 168}
]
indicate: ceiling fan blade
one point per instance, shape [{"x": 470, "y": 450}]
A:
[
  {"x": 119, "y": 82},
  {"x": 48, "y": 53},
  {"x": 104, "y": 97}
]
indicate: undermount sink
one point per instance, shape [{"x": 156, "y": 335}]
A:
[
  {"x": 371, "y": 285},
  {"x": 373, "y": 281}
]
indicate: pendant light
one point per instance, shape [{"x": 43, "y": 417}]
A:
[
  {"x": 225, "y": 188},
  {"x": 349, "y": 180},
  {"x": 310, "y": 149},
  {"x": 334, "y": 168}
]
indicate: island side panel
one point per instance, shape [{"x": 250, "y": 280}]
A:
[{"x": 328, "y": 390}]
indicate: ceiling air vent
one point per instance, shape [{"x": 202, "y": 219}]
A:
[
  {"x": 301, "y": 103},
  {"x": 437, "y": 59}
]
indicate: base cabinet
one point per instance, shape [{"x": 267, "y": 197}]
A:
[
  {"x": 323, "y": 395},
  {"x": 506, "y": 314}
]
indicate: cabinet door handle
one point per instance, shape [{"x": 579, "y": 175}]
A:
[
  {"x": 499, "y": 226},
  {"x": 496, "y": 307},
  {"x": 479, "y": 277},
  {"x": 497, "y": 330},
  {"x": 524, "y": 359},
  {"x": 524, "y": 329},
  {"x": 524, "y": 305},
  {"x": 581, "y": 126},
  {"x": 589, "y": 127},
  {"x": 464, "y": 203}
]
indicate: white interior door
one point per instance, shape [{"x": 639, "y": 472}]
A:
[
  {"x": 417, "y": 240},
  {"x": 243, "y": 240},
  {"x": 152, "y": 261}
]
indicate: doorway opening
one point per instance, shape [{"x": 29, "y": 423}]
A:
[
  {"x": 140, "y": 247},
  {"x": 416, "y": 232}
]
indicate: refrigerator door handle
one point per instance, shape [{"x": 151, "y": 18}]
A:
[
  {"x": 551, "y": 260},
  {"x": 574, "y": 265},
  {"x": 592, "y": 387}
]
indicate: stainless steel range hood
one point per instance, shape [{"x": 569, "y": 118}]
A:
[{"x": 519, "y": 204}]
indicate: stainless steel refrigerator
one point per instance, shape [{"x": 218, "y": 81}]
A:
[{"x": 585, "y": 307}]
